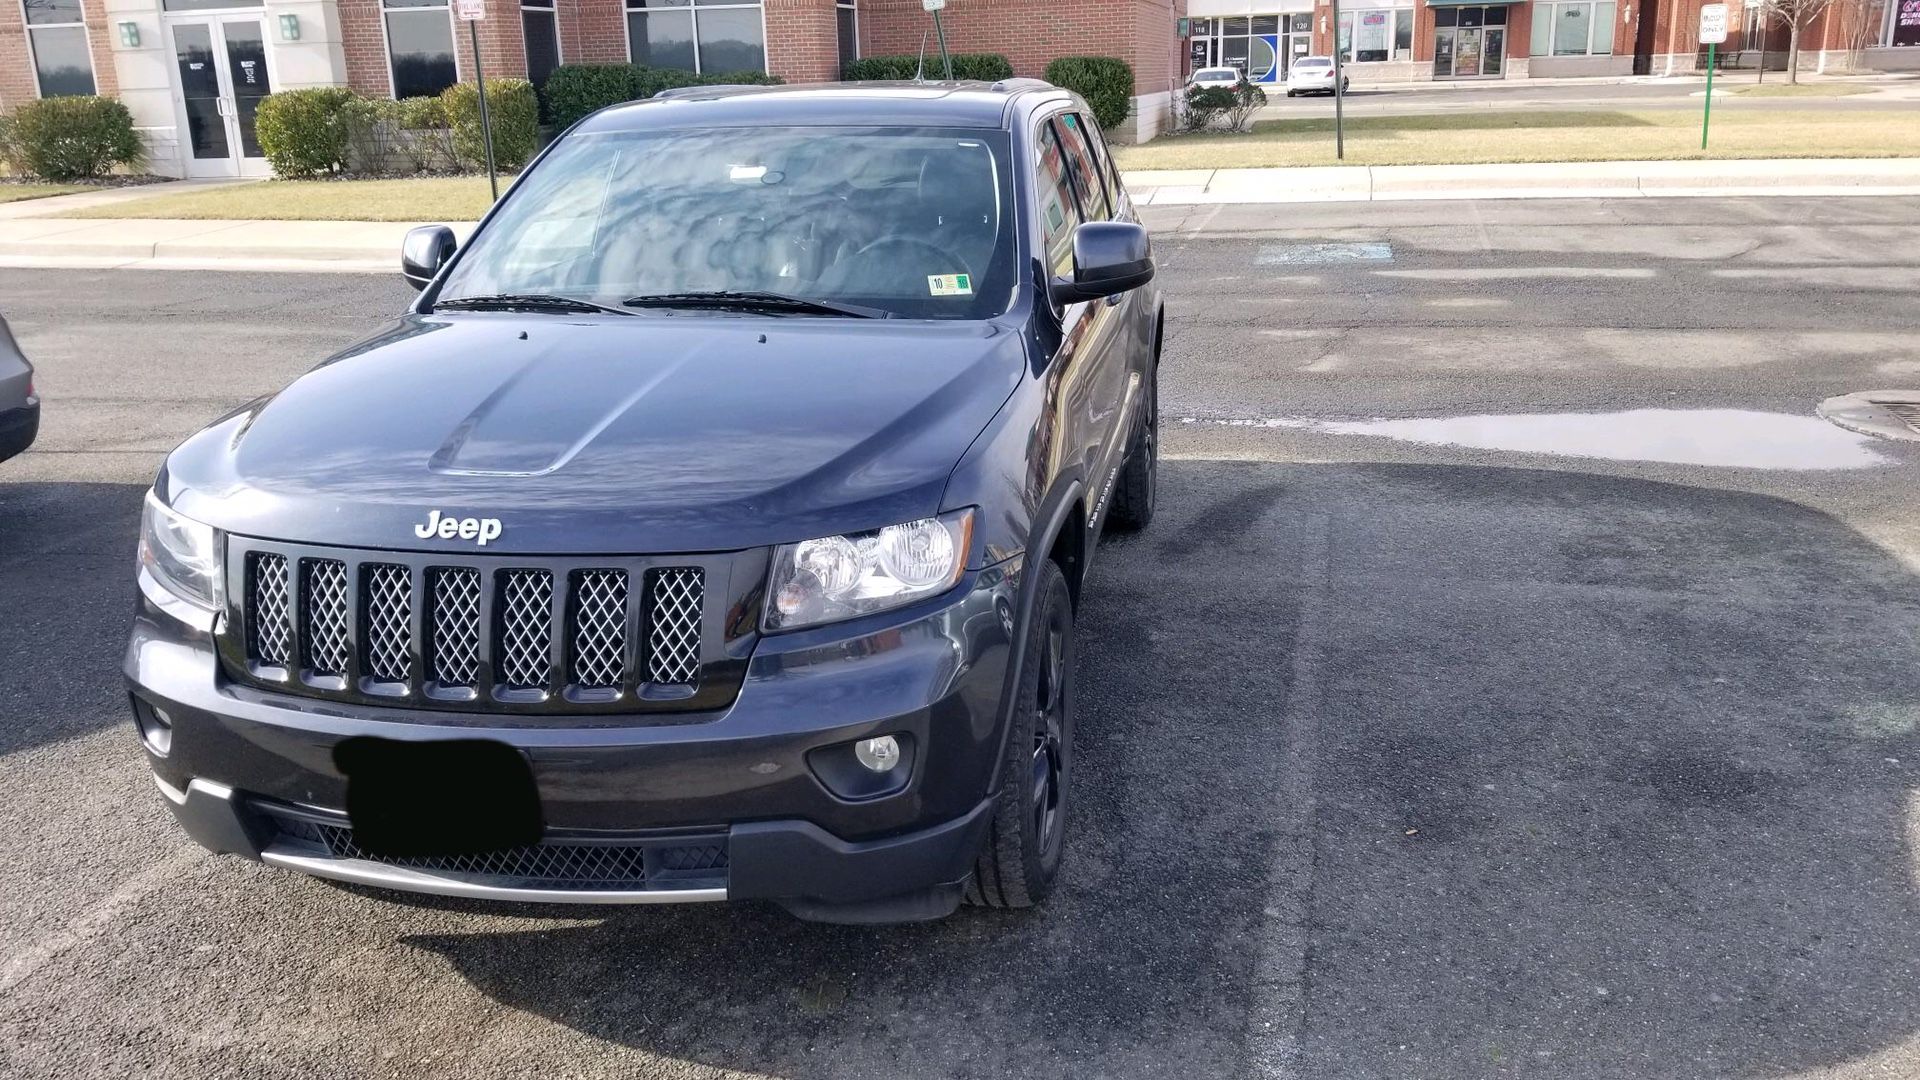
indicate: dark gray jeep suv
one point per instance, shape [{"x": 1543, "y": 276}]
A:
[{"x": 711, "y": 527}]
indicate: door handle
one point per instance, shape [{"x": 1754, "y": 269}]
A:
[{"x": 223, "y": 106}]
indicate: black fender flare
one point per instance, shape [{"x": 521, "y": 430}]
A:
[{"x": 1049, "y": 522}]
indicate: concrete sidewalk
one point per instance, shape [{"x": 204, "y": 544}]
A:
[
  {"x": 165, "y": 243},
  {"x": 1555, "y": 180},
  {"x": 365, "y": 246}
]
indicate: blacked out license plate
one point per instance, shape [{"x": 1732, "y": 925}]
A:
[{"x": 414, "y": 799}]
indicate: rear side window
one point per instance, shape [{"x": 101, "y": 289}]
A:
[
  {"x": 1084, "y": 167},
  {"x": 1059, "y": 206}
]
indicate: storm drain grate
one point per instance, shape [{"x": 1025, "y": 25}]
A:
[{"x": 1890, "y": 414}]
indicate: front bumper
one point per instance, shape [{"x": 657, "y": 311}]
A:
[
  {"x": 753, "y": 780},
  {"x": 18, "y": 428}
]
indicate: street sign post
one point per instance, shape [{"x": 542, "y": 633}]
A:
[
  {"x": 471, "y": 12},
  {"x": 939, "y": 31},
  {"x": 1713, "y": 31}
]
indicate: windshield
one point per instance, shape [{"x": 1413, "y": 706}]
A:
[
  {"x": 1313, "y": 63},
  {"x": 912, "y": 222}
]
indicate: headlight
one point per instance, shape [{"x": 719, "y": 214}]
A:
[
  {"x": 839, "y": 577},
  {"x": 181, "y": 554}
]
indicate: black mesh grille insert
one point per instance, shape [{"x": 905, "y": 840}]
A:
[
  {"x": 269, "y": 610},
  {"x": 526, "y": 629},
  {"x": 455, "y": 626},
  {"x": 674, "y": 599},
  {"x": 551, "y": 864},
  {"x": 599, "y": 630},
  {"x": 388, "y": 592},
  {"x": 323, "y": 615}
]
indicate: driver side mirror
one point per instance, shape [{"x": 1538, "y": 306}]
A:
[
  {"x": 1109, "y": 258},
  {"x": 424, "y": 251}
]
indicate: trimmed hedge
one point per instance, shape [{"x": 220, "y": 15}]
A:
[
  {"x": 986, "y": 67},
  {"x": 575, "y": 90},
  {"x": 10, "y": 162},
  {"x": 73, "y": 138},
  {"x": 1105, "y": 82},
  {"x": 306, "y": 132},
  {"x": 513, "y": 111}
]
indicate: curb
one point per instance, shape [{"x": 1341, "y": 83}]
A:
[{"x": 1580, "y": 180}]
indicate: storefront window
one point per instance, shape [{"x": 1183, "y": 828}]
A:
[
  {"x": 696, "y": 35},
  {"x": 1573, "y": 29},
  {"x": 1381, "y": 34},
  {"x": 420, "y": 47},
  {"x": 849, "y": 32},
  {"x": 540, "y": 32},
  {"x": 58, "y": 36}
]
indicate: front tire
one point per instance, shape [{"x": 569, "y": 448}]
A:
[{"x": 1021, "y": 858}]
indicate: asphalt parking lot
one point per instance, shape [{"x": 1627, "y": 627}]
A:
[{"x": 1412, "y": 744}]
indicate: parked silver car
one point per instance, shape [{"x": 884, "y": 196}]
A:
[{"x": 19, "y": 406}]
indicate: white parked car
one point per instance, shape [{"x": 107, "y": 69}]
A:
[
  {"x": 1313, "y": 75},
  {"x": 1225, "y": 78}
]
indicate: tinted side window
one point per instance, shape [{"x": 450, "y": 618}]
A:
[
  {"x": 1059, "y": 208},
  {"x": 1085, "y": 168}
]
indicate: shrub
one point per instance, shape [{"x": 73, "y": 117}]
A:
[
  {"x": 986, "y": 67},
  {"x": 1247, "y": 99},
  {"x": 575, "y": 90},
  {"x": 305, "y": 132},
  {"x": 1205, "y": 104},
  {"x": 512, "y": 111},
  {"x": 373, "y": 130},
  {"x": 425, "y": 139},
  {"x": 1106, "y": 83},
  {"x": 10, "y": 162},
  {"x": 74, "y": 138}
]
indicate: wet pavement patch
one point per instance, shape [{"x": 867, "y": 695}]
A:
[
  {"x": 1316, "y": 254},
  {"x": 1730, "y": 438}
]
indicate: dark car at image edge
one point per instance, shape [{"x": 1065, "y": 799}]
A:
[
  {"x": 712, "y": 527},
  {"x": 19, "y": 404}
]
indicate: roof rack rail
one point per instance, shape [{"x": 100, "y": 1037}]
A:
[
  {"x": 1008, "y": 86},
  {"x": 705, "y": 88}
]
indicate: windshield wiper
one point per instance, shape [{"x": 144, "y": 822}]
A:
[
  {"x": 528, "y": 302},
  {"x": 727, "y": 299}
]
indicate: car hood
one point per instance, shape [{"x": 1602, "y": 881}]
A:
[{"x": 654, "y": 433}]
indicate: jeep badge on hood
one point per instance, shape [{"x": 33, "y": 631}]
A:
[{"x": 447, "y": 528}]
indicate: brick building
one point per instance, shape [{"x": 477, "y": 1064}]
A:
[
  {"x": 1406, "y": 40},
  {"x": 192, "y": 71}
]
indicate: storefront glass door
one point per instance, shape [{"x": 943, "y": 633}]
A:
[
  {"x": 222, "y": 75},
  {"x": 1469, "y": 42}
]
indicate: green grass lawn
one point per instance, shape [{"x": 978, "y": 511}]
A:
[
  {"x": 16, "y": 192},
  {"x": 453, "y": 198},
  {"x": 1491, "y": 136},
  {"x": 1783, "y": 89}
]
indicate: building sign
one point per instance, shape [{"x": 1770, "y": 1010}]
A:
[
  {"x": 1713, "y": 24},
  {"x": 1906, "y": 23},
  {"x": 471, "y": 10}
]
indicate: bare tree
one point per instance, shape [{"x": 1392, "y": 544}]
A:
[
  {"x": 1860, "y": 22},
  {"x": 1798, "y": 15}
]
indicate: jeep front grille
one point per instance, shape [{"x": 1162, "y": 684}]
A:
[{"x": 562, "y": 635}]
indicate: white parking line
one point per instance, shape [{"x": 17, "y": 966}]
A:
[
  {"x": 1516, "y": 273},
  {"x": 97, "y": 920}
]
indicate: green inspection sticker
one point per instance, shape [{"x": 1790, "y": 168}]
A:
[{"x": 950, "y": 284}]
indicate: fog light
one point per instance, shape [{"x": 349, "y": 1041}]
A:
[
  {"x": 879, "y": 755},
  {"x": 156, "y": 727}
]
